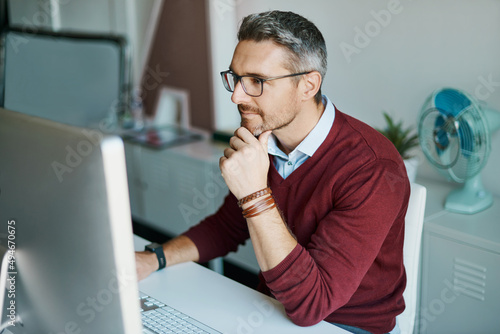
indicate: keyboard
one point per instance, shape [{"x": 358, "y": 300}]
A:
[{"x": 159, "y": 318}]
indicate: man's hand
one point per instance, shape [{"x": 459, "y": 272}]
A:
[
  {"x": 146, "y": 263},
  {"x": 245, "y": 163}
]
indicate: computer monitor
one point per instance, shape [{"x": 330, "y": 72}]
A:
[{"x": 64, "y": 210}]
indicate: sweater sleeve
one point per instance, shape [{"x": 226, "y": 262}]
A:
[
  {"x": 221, "y": 232},
  {"x": 361, "y": 234}
]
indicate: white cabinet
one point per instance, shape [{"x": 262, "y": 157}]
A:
[
  {"x": 460, "y": 287},
  {"x": 175, "y": 188}
]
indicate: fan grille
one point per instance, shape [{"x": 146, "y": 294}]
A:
[{"x": 454, "y": 135}]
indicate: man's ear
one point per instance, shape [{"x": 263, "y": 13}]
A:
[{"x": 311, "y": 84}]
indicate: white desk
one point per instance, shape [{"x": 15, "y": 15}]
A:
[{"x": 220, "y": 302}]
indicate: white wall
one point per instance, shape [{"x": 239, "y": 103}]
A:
[
  {"x": 421, "y": 46},
  {"x": 222, "y": 35}
]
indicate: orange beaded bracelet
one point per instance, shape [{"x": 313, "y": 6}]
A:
[{"x": 254, "y": 195}]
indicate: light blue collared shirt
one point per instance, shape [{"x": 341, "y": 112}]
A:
[{"x": 286, "y": 164}]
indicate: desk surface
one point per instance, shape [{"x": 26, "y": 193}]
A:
[{"x": 220, "y": 302}]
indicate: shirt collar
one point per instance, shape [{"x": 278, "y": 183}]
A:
[{"x": 314, "y": 139}]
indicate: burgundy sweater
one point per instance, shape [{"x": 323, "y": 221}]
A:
[{"x": 346, "y": 206}]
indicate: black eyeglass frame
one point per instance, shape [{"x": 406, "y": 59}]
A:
[{"x": 261, "y": 80}]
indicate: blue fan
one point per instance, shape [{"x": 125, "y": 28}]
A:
[{"x": 454, "y": 133}]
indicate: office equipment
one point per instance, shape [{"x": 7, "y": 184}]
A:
[
  {"x": 72, "y": 78},
  {"x": 414, "y": 222},
  {"x": 65, "y": 190},
  {"x": 220, "y": 302},
  {"x": 161, "y": 137},
  {"x": 171, "y": 124},
  {"x": 455, "y": 136},
  {"x": 162, "y": 319}
]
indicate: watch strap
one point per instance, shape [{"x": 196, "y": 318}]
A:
[{"x": 158, "y": 250}]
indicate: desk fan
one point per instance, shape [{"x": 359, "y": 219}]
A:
[{"x": 454, "y": 133}]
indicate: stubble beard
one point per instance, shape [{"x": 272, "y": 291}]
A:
[
  {"x": 255, "y": 129},
  {"x": 267, "y": 122}
]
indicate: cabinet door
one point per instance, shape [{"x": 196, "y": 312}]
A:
[
  {"x": 172, "y": 190},
  {"x": 179, "y": 190},
  {"x": 135, "y": 186},
  {"x": 460, "y": 288}
]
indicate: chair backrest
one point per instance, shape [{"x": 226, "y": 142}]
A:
[{"x": 411, "y": 251}]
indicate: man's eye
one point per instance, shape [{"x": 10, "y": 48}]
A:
[{"x": 255, "y": 81}]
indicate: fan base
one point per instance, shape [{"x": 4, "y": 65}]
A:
[{"x": 466, "y": 202}]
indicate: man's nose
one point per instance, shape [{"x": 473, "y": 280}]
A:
[{"x": 239, "y": 96}]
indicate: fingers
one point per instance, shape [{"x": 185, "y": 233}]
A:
[
  {"x": 235, "y": 142},
  {"x": 226, "y": 164},
  {"x": 242, "y": 137},
  {"x": 244, "y": 134},
  {"x": 264, "y": 138},
  {"x": 241, "y": 143},
  {"x": 228, "y": 152}
]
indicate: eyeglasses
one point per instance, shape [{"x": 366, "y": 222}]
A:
[{"x": 252, "y": 85}]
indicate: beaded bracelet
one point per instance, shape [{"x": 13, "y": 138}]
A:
[{"x": 255, "y": 195}]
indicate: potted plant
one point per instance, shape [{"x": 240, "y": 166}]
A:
[{"x": 404, "y": 139}]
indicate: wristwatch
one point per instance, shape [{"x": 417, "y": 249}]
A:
[{"x": 158, "y": 249}]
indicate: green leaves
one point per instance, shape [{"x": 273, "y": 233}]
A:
[{"x": 402, "y": 138}]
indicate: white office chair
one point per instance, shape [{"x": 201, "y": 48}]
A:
[{"x": 411, "y": 252}]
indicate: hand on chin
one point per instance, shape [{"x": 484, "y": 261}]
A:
[
  {"x": 245, "y": 163},
  {"x": 255, "y": 128}
]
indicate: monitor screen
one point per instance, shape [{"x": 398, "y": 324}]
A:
[{"x": 65, "y": 216}]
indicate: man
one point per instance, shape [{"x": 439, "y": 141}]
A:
[{"x": 321, "y": 195}]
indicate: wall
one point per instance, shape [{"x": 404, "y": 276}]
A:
[
  {"x": 222, "y": 28},
  {"x": 390, "y": 55},
  {"x": 180, "y": 59}
]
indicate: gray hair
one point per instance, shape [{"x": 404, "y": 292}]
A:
[{"x": 305, "y": 43}]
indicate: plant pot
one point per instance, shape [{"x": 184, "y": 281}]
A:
[{"x": 411, "y": 168}]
